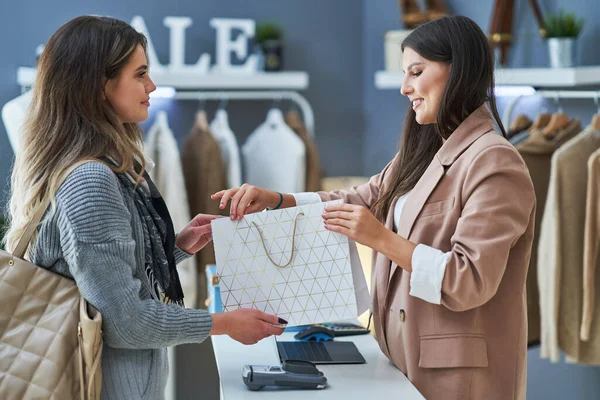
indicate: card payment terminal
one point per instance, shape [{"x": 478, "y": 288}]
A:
[{"x": 291, "y": 373}]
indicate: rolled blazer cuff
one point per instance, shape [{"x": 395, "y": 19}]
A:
[
  {"x": 428, "y": 268},
  {"x": 306, "y": 198}
]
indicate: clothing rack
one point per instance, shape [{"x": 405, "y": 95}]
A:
[
  {"x": 552, "y": 94},
  {"x": 276, "y": 95}
]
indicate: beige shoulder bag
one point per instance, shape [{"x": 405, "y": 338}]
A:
[{"x": 50, "y": 337}]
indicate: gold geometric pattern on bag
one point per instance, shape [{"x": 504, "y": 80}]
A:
[{"x": 317, "y": 286}]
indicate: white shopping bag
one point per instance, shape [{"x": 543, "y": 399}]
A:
[{"x": 285, "y": 262}]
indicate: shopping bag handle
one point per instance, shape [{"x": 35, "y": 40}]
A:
[{"x": 293, "y": 242}]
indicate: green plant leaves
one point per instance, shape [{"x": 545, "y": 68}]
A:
[
  {"x": 562, "y": 25},
  {"x": 268, "y": 31}
]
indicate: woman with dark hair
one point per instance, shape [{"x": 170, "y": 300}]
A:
[
  {"x": 108, "y": 227},
  {"x": 450, "y": 220}
]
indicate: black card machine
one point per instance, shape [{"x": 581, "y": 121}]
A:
[{"x": 291, "y": 373}]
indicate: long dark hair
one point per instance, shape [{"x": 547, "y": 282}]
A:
[
  {"x": 460, "y": 42},
  {"x": 68, "y": 120}
]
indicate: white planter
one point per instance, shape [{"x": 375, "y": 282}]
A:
[
  {"x": 393, "y": 51},
  {"x": 561, "y": 52}
]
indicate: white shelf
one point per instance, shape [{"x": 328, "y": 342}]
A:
[
  {"x": 290, "y": 80},
  {"x": 536, "y": 77}
]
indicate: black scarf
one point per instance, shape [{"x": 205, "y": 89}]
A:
[{"x": 159, "y": 241}]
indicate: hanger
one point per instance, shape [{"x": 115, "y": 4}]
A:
[
  {"x": 223, "y": 102},
  {"x": 162, "y": 120},
  {"x": 558, "y": 121},
  {"x": 596, "y": 117},
  {"x": 221, "y": 115},
  {"x": 521, "y": 123},
  {"x": 201, "y": 120},
  {"x": 541, "y": 121},
  {"x": 275, "y": 118}
]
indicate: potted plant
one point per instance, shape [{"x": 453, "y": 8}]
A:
[
  {"x": 561, "y": 30},
  {"x": 269, "y": 37}
]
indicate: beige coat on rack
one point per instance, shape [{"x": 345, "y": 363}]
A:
[
  {"x": 591, "y": 256},
  {"x": 537, "y": 152},
  {"x": 560, "y": 252},
  {"x": 205, "y": 174}
]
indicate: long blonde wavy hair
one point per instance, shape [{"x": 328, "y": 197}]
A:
[{"x": 69, "y": 119}]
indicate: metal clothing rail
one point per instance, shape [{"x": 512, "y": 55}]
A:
[
  {"x": 225, "y": 95},
  {"x": 552, "y": 94}
]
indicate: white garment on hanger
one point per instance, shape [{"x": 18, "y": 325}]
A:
[
  {"x": 13, "y": 116},
  {"x": 275, "y": 157},
  {"x": 161, "y": 146},
  {"x": 228, "y": 144}
]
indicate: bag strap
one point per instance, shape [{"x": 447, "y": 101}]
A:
[
  {"x": 262, "y": 239},
  {"x": 23, "y": 242}
]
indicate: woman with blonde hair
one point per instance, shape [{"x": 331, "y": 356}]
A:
[{"x": 108, "y": 227}]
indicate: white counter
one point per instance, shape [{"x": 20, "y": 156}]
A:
[{"x": 377, "y": 379}]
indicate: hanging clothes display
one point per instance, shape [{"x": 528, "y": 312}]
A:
[
  {"x": 275, "y": 157},
  {"x": 204, "y": 175},
  {"x": 161, "y": 146},
  {"x": 228, "y": 144},
  {"x": 313, "y": 163},
  {"x": 560, "y": 251},
  {"x": 520, "y": 124},
  {"x": 537, "y": 152},
  {"x": 540, "y": 122},
  {"x": 591, "y": 247}
]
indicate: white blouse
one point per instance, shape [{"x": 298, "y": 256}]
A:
[{"x": 428, "y": 263}]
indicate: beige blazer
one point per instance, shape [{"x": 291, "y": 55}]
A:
[
  {"x": 537, "y": 152},
  {"x": 560, "y": 253},
  {"x": 591, "y": 246},
  {"x": 204, "y": 174},
  {"x": 475, "y": 200}
]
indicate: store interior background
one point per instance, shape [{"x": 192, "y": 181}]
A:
[{"x": 340, "y": 44}]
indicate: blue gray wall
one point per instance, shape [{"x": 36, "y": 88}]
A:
[{"x": 340, "y": 44}]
